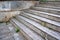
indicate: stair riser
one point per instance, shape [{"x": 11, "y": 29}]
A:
[
  {"x": 45, "y": 16},
  {"x": 43, "y": 23},
  {"x": 24, "y": 34},
  {"x": 41, "y": 33}
]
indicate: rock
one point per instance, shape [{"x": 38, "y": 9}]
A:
[
  {"x": 5, "y": 16},
  {"x": 6, "y": 7},
  {"x": 15, "y": 5}
]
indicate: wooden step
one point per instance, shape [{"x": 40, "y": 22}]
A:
[
  {"x": 38, "y": 8},
  {"x": 49, "y": 10},
  {"x": 42, "y": 28},
  {"x": 48, "y": 6},
  {"x": 45, "y": 15},
  {"x": 29, "y": 34},
  {"x": 43, "y": 21}
]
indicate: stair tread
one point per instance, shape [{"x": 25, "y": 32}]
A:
[
  {"x": 46, "y": 8},
  {"x": 45, "y": 19},
  {"x": 46, "y": 30},
  {"x": 49, "y": 6},
  {"x": 41, "y": 12},
  {"x": 28, "y": 31}
]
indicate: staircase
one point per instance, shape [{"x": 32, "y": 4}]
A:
[{"x": 39, "y": 23}]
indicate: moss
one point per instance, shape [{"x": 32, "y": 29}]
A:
[
  {"x": 14, "y": 17},
  {"x": 1, "y": 22},
  {"x": 17, "y": 29},
  {"x": 7, "y": 22},
  {"x": 42, "y": 1}
]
